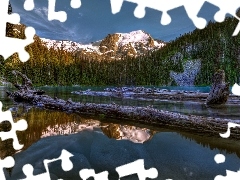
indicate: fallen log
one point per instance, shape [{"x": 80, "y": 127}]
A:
[
  {"x": 195, "y": 124},
  {"x": 161, "y": 94},
  {"x": 153, "y": 94},
  {"x": 25, "y": 86}
]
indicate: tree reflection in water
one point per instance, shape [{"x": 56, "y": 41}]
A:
[{"x": 43, "y": 123}]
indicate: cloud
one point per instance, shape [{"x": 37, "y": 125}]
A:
[
  {"x": 94, "y": 20},
  {"x": 41, "y": 12}
]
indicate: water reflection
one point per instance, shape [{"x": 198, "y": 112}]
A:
[
  {"x": 187, "y": 107},
  {"x": 172, "y": 153},
  {"x": 43, "y": 123}
]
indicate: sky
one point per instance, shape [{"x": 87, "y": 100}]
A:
[{"x": 94, "y": 20}]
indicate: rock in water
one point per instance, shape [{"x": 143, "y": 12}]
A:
[{"x": 220, "y": 89}]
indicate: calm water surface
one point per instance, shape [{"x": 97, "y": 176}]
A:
[
  {"x": 176, "y": 155},
  {"x": 189, "y": 107}
]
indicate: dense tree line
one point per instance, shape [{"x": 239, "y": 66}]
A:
[{"x": 214, "y": 45}]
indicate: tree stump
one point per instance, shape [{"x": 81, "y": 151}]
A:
[{"x": 219, "y": 92}]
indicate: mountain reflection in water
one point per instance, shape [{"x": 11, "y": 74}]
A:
[
  {"x": 45, "y": 124},
  {"x": 175, "y": 154}
]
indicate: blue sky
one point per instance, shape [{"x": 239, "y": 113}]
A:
[{"x": 94, "y": 20}]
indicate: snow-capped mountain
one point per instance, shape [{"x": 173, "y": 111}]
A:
[
  {"x": 69, "y": 45},
  {"x": 115, "y": 45}
]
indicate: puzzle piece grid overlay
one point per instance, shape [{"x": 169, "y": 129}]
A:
[{"x": 13, "y": 45}]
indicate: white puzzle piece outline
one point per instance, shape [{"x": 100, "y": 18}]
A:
[
  {"x": 192, "y": 8},
  {"x": 12, "y": 45},
  {"x": 137, "y": 167},
  {"x": 230, "y": 175},
  {"x": 66, "y": 164},
  {"x": 52, "y": 14},
  {"x": 87, "y": 173},
  {"x": 219, "y": 158},
  {"x": 230, "y": 125},
  {"x": 21, "y": 125},
  {"x": 236, "y": 89},
  {"x": 9, "y": 45},
  {"x": 7, "y": 162}
]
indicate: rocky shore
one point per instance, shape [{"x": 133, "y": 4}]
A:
[
  {"x": 154, "y": 93},
  {"x": 195, "y": 124}
]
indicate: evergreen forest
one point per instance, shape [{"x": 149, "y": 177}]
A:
[{"x": 214, "y": 46}]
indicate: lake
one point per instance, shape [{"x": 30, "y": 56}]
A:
[{"x": 104, "y": 144}]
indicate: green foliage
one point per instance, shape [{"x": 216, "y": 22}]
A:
[{"x": 214, "y": 46}]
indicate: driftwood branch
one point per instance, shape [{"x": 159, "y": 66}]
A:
[
  {"x": 25, "y": 87},
  {"x": 26, "y": 82},
  {"x": 195, "y": 124}
]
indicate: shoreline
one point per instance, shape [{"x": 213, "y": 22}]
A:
[
  {"x": 146, "y": 115},
  {"x": 150, "y": 93}
]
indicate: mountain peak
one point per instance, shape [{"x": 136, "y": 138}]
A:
[{"x": 113, "y": 46}]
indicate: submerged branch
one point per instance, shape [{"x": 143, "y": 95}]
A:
[
  {"x": 155, "y": 93},
  {"x": 195, "y": 124}
]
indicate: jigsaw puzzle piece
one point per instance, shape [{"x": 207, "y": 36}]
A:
[
  {"x": 75, "y": 4},
  {"x": 137, "y": 167},
  {"x": 116, "y": 6},
  {"x": 230, "y": 175},
  {"x": 161, "y": 5},
  {"x": 13, "y": 45},
  {"x": 236, "y": 89},
  {"x": 230, "y": 125},
  {"x": 66, "y": 166},
  {"x": 219, "y": 158},
  {"x": 87, "y": 173},
  {"x": 226, "y": 7},
  {"x": 140, "y": 11},
  {"x": 5, "y": 17},
  {"x": 28, "y": 171},
  {"x": 21, "y": 125},
  {"x": 52, "y": 14},
  {"x": 8, "y": 45},
  {"x": 29, "y": 5},
  {"x": 192, "y": 8},
  {"x": 8, "y": 162}
]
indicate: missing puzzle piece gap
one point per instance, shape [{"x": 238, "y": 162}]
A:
[
  {"x": 20, "y": 125},
  {"x": 29, "y": 5},
  {"x": 192, "y": 9},
  {"x": 9, "y": 45},
  {"x": 75, "y": 4},
  {"x": 8, "y": 162},
  {"x": 66, "y": 166}
]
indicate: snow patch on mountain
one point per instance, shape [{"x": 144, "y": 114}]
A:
[
  {"x": 114, "y": 45},
  {"x": 69, "y": 45},
  {"x": 136, "y": 37}
]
